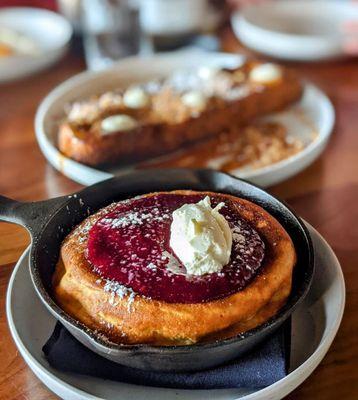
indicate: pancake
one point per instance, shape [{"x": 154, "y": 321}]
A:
[{"x": 118, "y": 275}]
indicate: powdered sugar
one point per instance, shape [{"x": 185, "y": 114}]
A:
[
  {"x": 134, "y": 218},
  {"x": 121, "y": 291}
]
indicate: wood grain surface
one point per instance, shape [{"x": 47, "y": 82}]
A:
[{"x": 325, "y": 194}]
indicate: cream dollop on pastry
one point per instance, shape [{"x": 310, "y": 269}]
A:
[
  {"x": 135, "y": 97},
  {"x": 194, "y": 99},
  {"x": 118, "y": 122},
  {"x": 265, "y": 73},
  {"x": 201, "y": 237}
]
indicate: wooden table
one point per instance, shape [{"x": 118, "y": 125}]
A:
[{"x": 325, "y": 194}]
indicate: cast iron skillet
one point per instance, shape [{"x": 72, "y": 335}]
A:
[{"x": 50, "y": 221}]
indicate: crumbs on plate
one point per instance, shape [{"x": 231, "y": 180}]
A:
[{"x": 255, "y": 146}]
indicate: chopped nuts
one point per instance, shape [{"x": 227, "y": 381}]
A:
[
  {"x": 83, "y": 112},
  {"x": 109, "y": 101}
]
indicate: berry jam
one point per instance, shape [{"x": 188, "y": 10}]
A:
[{"x": 130, "y": 246}]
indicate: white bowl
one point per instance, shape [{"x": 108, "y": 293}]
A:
[
  {"x": 303, "y": 30},
  {"x": 49, "y": 30},
  {"x": 313, "y": 112}
]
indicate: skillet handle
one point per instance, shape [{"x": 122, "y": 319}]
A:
[
  {"x": 32, "y": 215},
  {"x": 10, "y": 210}
]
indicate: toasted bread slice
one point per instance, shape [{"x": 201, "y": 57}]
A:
[{"x": 173, "y": 115}]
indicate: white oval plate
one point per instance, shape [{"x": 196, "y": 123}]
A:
[
  {"x": 313, "y": 112},
  {"x": 295, "y": 30},
  {"x": 51, "y": 31},
  {"x": 314, "y": 326}
]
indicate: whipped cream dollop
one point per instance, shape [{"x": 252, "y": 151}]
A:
[
  {"x": 135, "y": 97},
  {"x": 194, "y": 99},
  {"x": 117, "y": 123},
  {"x": 201, "y": 237},
  {"x": 266, "y": 73}
]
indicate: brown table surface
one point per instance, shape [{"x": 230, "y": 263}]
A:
[{"x": 325, "y": 194}]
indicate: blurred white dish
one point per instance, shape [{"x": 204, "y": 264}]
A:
[
  {"x": 48, "y": 30},
  {"x": 313, "y": 112},
  {"x": 314, "y": 326},
  {"x": 302, "y": 30}
]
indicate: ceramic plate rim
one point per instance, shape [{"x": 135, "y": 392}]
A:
[
  {"x": 290, "y": 382},
  {"x": 75, "y": 170}
]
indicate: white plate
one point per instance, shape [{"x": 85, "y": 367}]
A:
[
  {"x": 303, "y": 30},
  {"x": 51, "y": 32},
  {"x": 313, "y": 112},
  {"x": 315, "y": 324}
]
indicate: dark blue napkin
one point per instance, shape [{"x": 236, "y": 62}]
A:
[{"x": 263, "y": 366}]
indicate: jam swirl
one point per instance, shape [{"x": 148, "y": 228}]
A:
[{"x": 130, "y": 246}]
